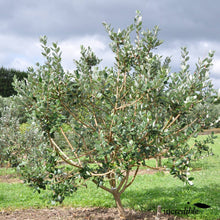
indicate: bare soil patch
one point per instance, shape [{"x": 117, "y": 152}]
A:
[
  {"x": 79, "y": 213},
  {"x": 209, "y": 131},
  {"x": 10, "y": 179}
]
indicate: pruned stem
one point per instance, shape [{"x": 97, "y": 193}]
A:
[{"x": 119, "y": 205}]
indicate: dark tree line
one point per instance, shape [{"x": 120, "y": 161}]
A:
[{"x": 6, "y": 79}]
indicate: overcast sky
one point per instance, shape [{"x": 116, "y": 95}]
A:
[{"x": 71, "y": 23}]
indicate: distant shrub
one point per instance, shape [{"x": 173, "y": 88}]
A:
[
  {"x": 18, "y": 135},
  {"x": 16, "y": 110}
]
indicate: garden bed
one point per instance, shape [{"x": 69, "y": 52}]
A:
[{"x": 79, "y": 214}]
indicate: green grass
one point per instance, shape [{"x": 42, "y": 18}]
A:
[
  {"x": 146, "y": 193},
  {"x": 17, "y": 195},
  {"x": 9, "y": 171}
]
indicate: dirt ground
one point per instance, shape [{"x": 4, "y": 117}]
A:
[
  {"x": 79, "y": 214},
  {"x": 10, "y": 179},
  {"x": 209, "y": 131}
]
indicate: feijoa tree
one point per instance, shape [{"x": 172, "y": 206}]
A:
[{"x": 119, "y": 117}]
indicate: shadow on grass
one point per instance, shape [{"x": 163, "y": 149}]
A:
[{"x": 175, "y": 198}]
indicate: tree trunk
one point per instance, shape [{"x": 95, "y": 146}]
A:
[
  {"x": 158, "y": 162},
  {"x": 119, "y": 205}
]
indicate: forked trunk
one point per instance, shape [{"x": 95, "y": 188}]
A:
[{"x": 119, "y": 205}]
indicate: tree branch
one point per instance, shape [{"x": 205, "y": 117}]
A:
[
  {"x": 103, "y": 187},
  {"x": 130, "y": 104},
  {"x": 63, "y": 155},
  {"x": 67, "y": 140},
  {"x": 83, "y": 123}
]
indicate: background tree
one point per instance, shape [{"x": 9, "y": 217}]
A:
[
  {"x": 20, "y": 137},
  {"x": 6, "y": 79},
  {"x": 120, "y": 117},
  {"x": 216, "y": 110}
]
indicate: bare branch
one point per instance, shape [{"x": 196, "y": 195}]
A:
[
  {"x": 103, "y": 187},
  {"x": 102, "y": 174},
  {"x": 125, "y": 182},
  {"x": 173, "y": 121},
  {"x": 130, "y": 104},
  {"x": 124, "y": 83},
  {"x": 63, "y": 155}
]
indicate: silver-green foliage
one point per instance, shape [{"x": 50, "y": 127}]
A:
[{"x": 119, "y": 117}]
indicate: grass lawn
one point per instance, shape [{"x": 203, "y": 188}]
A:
[{"x": 146, "y": 193}]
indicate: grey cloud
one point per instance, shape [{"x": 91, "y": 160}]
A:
[
  {"x": 178, "y": 19},
  {"x": 62, "y": 17},
  {"x": 185, "y": 21}
]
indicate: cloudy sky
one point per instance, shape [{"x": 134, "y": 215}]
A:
[{"x": 71, "y": 23}]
